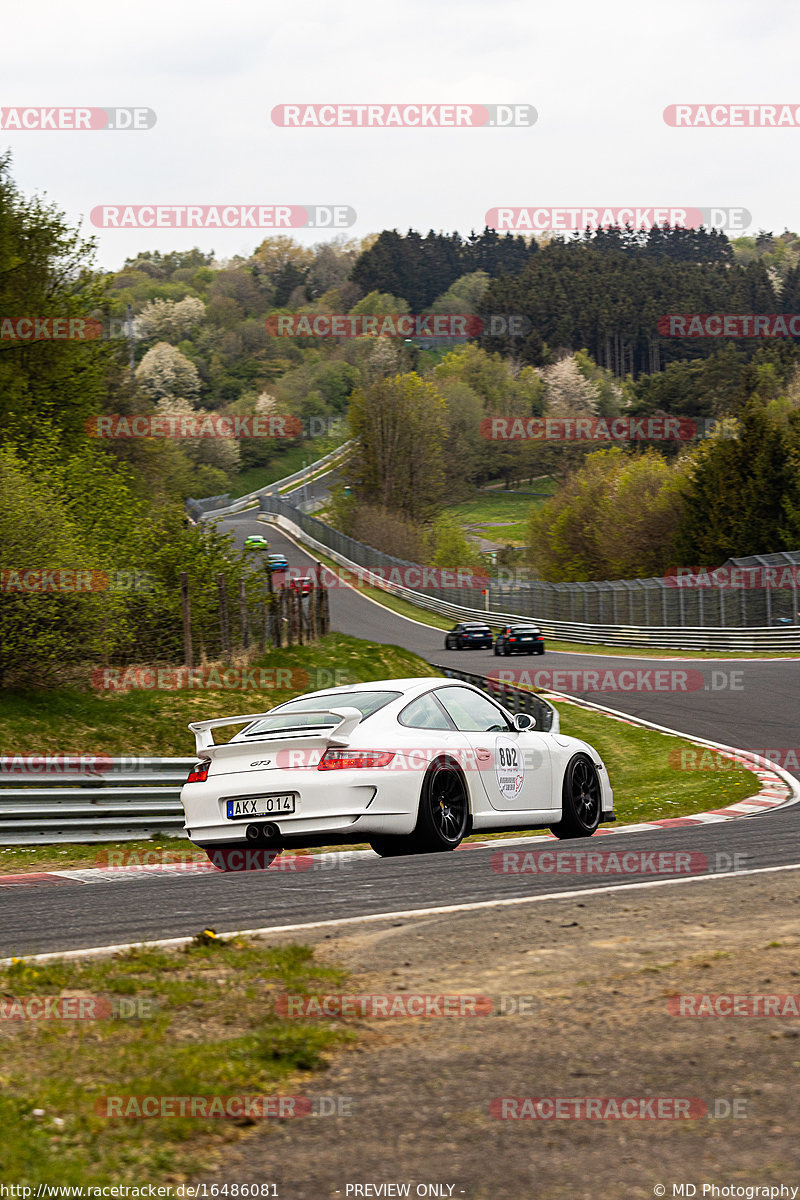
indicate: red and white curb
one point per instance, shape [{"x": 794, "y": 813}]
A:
[{"x": 778, "y": 789}]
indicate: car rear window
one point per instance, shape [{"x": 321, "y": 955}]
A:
[{"x": 311, "y": 712}]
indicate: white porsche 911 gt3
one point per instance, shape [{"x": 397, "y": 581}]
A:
[{"x": 407, "y": 765}]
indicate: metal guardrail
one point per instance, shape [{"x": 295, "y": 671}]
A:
[
  {"x": 124, "y": 798},
  {"x": 784, "y": 639},
  {"x": 201, "y": 509},
  {"x": 132, "y": 798}
]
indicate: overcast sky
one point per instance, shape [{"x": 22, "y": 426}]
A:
[{"x": 599, "y": 76}]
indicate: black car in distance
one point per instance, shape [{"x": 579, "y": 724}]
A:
[
  {"x": 519, "y": 639},
  {"x": 469, "y": 635}
]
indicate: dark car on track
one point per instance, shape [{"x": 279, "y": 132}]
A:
[
  {"x": 519, "y": 639},
  {"x": 469, "y": 635}
]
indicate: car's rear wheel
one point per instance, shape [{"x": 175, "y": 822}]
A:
[
  {"x": 581, "y": 799},
  {"x": 443, "y": 818}
]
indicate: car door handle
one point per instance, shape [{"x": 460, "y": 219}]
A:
[{"x": 484, "y": 755}]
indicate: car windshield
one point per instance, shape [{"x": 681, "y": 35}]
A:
[
  {"x": 524, "y": 629},
  {"x": 313, "y": 712}
]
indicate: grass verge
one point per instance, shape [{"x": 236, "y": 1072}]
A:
[
  {"x": 203, "y": 1024},
  {"x": 153, "y": 722},
  {"x": 498, "y": 515},
  {"x": 288, "y": 462}
]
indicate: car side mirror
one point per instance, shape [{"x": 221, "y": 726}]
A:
[{"x": 523, "y": 721}]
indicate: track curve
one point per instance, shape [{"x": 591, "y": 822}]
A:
[{"x": 760, "y": 713}]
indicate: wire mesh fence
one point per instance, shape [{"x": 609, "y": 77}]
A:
[{"x": 757, "y": 591}]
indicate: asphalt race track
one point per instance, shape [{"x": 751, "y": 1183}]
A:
[{"x": 759, "y": 712}]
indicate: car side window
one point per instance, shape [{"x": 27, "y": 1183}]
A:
[
  {"x": 472, "y": 712},
  {"x": 425, "y": 713}
]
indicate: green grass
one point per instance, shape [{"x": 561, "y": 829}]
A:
[
  {"x": 73, "y": 722},
  {"x": 208, "y": 1028},
  {"x": 485, "y": 508},
  {"x": 646, "y": 773},
  {"x": 286, "y": 463}
]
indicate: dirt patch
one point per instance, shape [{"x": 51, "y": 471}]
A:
[{"x": 597, "y": 977}]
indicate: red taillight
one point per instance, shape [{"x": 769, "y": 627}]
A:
[
  {"x": 512, "y": 639},
  {"x": 199, "y": 772},
  {"x": 337, "y": 760}
]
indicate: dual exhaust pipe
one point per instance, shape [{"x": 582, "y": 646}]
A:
[{"x": 262, "y": 833}]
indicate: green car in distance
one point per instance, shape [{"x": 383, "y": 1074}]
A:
[{"x": 255, "y": 541}]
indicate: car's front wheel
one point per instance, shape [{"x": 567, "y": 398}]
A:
[
  {"x": 581, "y": 799},
  {"x": 443, "y": 818}
]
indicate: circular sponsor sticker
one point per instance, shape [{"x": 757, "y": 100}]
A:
[{"x": 509, "y": 767}]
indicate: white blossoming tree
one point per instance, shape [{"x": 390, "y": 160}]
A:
[{"x": 165, "y": 373}]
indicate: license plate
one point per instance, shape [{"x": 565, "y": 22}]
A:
[{"x": 260, "y": 806}]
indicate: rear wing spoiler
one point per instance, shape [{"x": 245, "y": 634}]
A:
[{"x": 339, "y": 735}]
